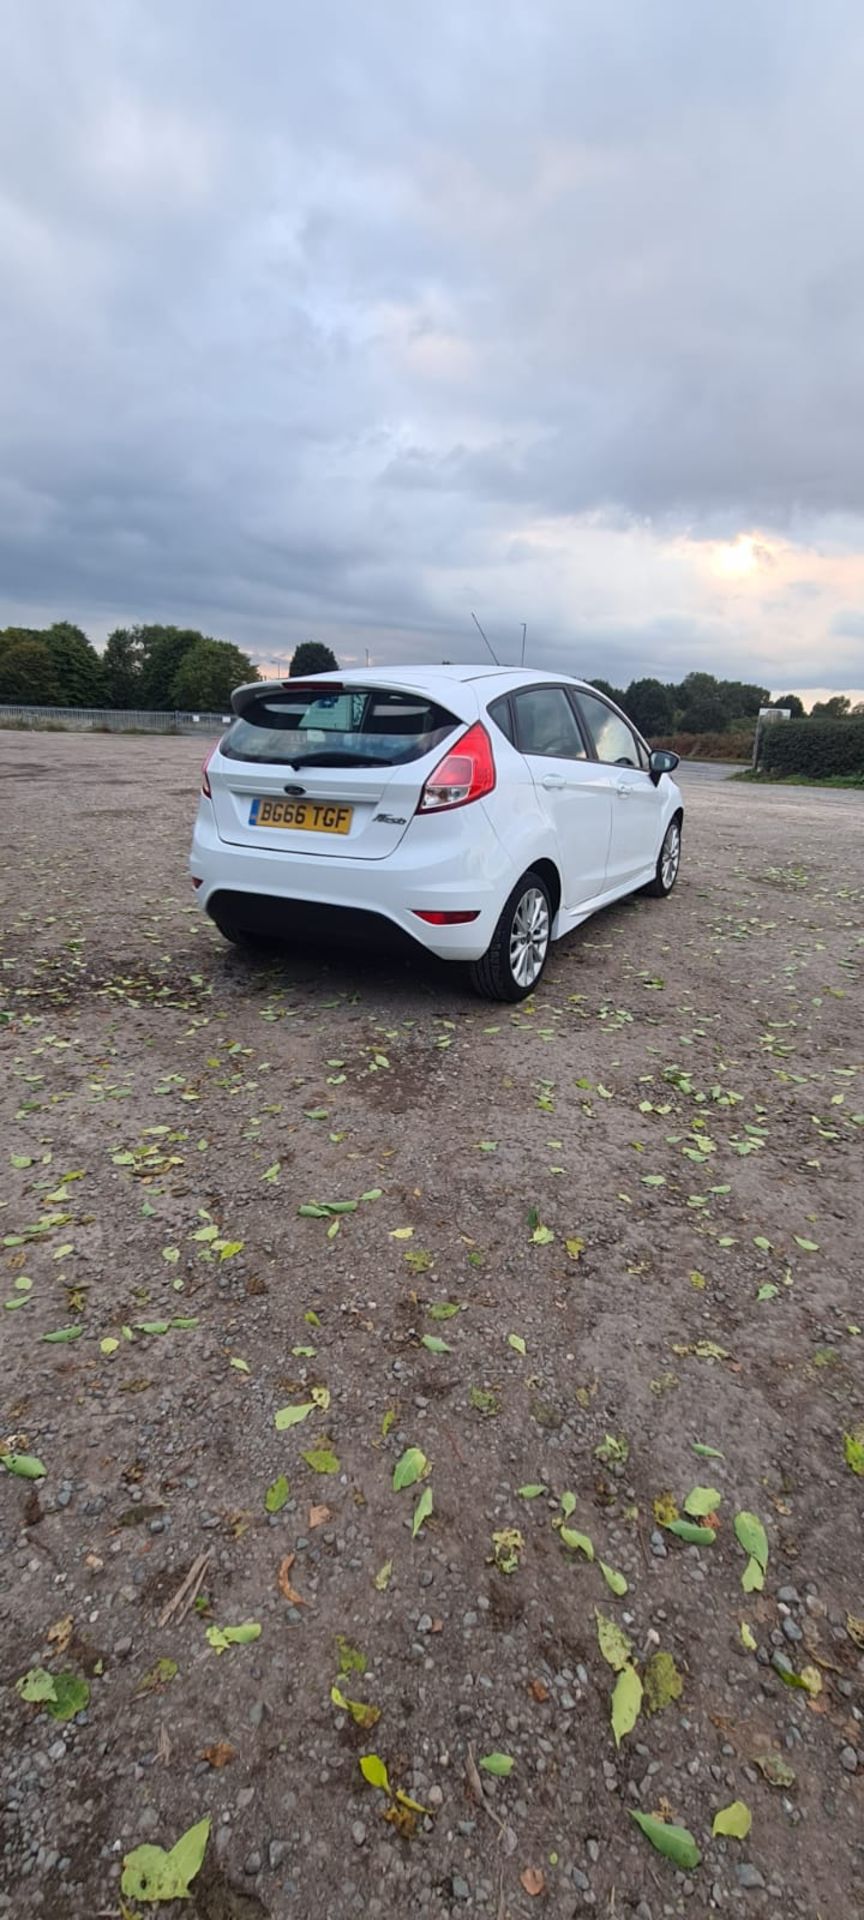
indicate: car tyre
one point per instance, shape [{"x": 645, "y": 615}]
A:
[
  {"x": 513, "y": 963},
  {"x": 668, "y": 861},
  {"x": 241, "y": 938}
]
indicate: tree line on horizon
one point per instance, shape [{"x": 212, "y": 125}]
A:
[{"x": 170, "y": 668}]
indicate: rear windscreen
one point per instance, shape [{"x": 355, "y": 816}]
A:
[{"x": 371, "y": 727}]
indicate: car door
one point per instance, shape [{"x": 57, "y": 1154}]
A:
[
  {"x": 636, "y": 802},
  {"x": 572, "y": 790}
]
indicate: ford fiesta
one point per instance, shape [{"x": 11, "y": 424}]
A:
[{"x": 477, "y": 812}]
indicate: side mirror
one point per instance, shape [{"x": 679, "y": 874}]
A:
[{"x": 662, "y": 762}]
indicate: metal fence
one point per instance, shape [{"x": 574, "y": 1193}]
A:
[{"x": 110, "y": 720}]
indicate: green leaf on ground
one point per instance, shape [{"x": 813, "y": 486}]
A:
[
  {"x": 614, "y": 1580},
  {"x": 693, "y": 1535},
  {"x": 322, "y": 1460},
  {"x": 409, "y": 1468},
  {"x": 626, "y": 1703},
  {"x": 221, "y": 1638},
  {"x": 577, "y": 1542},
  {"x": 434, "y": 1344},
  {"x": 775, "y": 1769},
  {"x": 361, "y": 1713},
  {"x": 151, "y": 1874},
  {"x": 291, "y": 1416},
  {"x": 753, "y": 1578},
  {"x": 277, "y": 1494},
  {"x": 532, "y": 1491},
  {"x": 662, "y": 1682},
  {"x": 499, "y": 1764},
  {"x": 702, "y": 1501},
  {"x": 25, "y": 1465},
  {"x": 568, "y": 1504},
  {"x": 734, "y": 1821},
  {"x": 675, "y": 1843},
  {"x": 443, "y": 1310},
  {"x": 751, "y": 1535},
  {"x": 351, "y": 1660},
  {"x": 853, "y": 1450},
  {"x": 62, "y": 1335},
  {"x": 382, "y": 1577},
  {"x": 421, "y": 1511},
  {"x": 375, "y": 1772},
  {"x": 614, "y": 1643},
  {"x": 516, "y": 1341},
  {"x": 71, "y": 1695},
  {"x": 36, "y": 1687}
]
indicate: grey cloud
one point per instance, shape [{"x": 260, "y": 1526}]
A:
[{"x": 307, "y": 311}]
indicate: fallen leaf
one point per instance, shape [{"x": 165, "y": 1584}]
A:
[
  {"x": 277, "y": 1494},
  {"x": 242, "y": 1366},
  {"x": 575, "y": 1247},
  {"x": 674, "y": 1842},
  {"x": 734, "y": 1821},
  {"x": 855, "y": 1629},
  {"x": 693, "y": 1535},
  {"x": 532, "y": 1880},
  {"x": 375, "y": 1772},
  {"x": 421, "y": 1511},
  {"x": 753, "y": 1578},
  {"x": 402, "y": 1233},
  {"x": 853, "y": 1450},
  {"x": 434, "y": 1344},
  {"x": 614, "y": 1643},
  {"x": 702, "y": 1501},
  {"x": 577, "y": 1542},
  {"x": 287, "y": 1417},
  {"x": 751, "y": 1535},
  {"x": 318, "y": 1517},
  {"x": 746, "y": 1637},
  {"x": 410, "y": 1468},
  {"x": 538, "y": 1691},
  {"x": 626, "y": 1703},
  {"x": 219, "y": 1755},
  {"x": 662, "y": 1682},
  {"x": 361, "y": 1713},
  {"x": 499, "y": 1764},
  {"x": 36, "y": 1687},
  {"x": 615, "y": 1581},
  {"x": 508, "y": 1544},
  {"x": 705, "y": 1452},
  {"x": 62, "y": 1336},
  {"x": 382, "y": 1577},
  {"x": 284, "y": 1582},
  {"x": 158, "y": 1676},
  {"x": 516, "y": 1341},
  {"x": 60, "y": 1635},
  {"x": 531, "y": 1492},
  {"x": 220, "y": 1638},
  {"x": 151, "y": 1874},
  {"x": 322, "y": 1460},
  {"x": 775, "y": 1769},
  {"x": 351, "y": 1660}
]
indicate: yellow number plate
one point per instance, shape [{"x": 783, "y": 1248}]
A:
[{"x": 305, "y": 816}]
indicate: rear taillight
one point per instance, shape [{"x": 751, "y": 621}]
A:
[
  {"x": 205, "y": 782},
  {"x": 466, "y": 773}
]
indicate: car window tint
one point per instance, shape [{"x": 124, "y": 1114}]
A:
[
  {"x": 500, "y": 713},
  {"x": 380, "y": 725},
  {"x": 614, "y": 742},
  {"x": 546, "y": 724}
]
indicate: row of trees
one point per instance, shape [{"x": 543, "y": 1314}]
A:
[
  {"x": 154, "y": 667},
  {"x": 702, "y": 704}
]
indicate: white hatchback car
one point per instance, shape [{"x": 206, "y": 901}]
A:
[{"x": 479, "y": 813}]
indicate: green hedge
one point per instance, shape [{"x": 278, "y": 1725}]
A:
[{"x": 814, "y": 747}]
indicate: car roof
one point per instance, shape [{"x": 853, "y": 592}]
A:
[{"x": 431, "y": 679}]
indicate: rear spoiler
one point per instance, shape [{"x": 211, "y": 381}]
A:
[{"x": 244, "y": 697}]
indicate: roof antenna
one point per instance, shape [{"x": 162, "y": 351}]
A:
[
  {"x": 524, "y": 631},
  {"x": 483, "y": 637}
]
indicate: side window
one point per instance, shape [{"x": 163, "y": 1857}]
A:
[
  {"x": 500, "y": 713},
  {"x": 546, "y": 724},
  {"x": 616, "y": 746}
]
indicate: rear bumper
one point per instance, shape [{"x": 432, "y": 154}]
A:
[{"x": 360, "y": 903}]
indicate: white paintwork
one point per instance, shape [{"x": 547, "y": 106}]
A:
[{"x": 600, "y": 826}]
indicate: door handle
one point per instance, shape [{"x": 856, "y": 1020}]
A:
[
  {"x": 623, "y": 787},
  {"x": 553, "y": 782}
]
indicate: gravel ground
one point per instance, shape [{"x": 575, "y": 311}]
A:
[{"x": 642, "y": 1194}]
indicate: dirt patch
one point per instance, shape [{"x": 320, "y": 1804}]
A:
[{"x": 649, "y": 1177}]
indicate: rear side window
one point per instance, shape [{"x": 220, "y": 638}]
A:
[
  {"x": 546, "y": 724},
  {"x": 503, "y": 718},
  {"x": 350, "y": 727}
]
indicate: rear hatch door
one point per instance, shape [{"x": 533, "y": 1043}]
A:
[{"x": 326, "y": 771}]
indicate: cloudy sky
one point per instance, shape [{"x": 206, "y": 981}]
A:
[{"x": 341, "y": 320}]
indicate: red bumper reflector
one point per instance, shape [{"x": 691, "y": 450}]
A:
[{"x": 444, "y": 919}]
